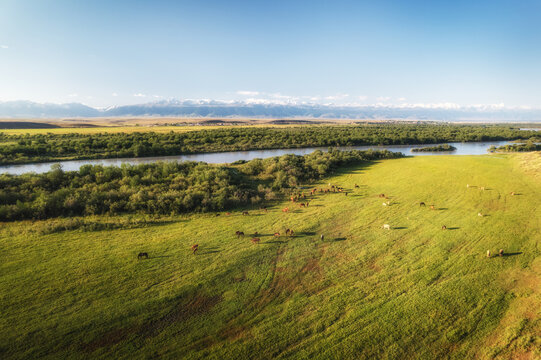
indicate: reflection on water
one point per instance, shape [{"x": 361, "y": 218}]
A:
[{"x": 473, "y": 148}]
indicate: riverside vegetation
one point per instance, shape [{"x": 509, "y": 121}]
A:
[
  {"x": 167, "y": 187},
  {"x": 26, "y": 148}
]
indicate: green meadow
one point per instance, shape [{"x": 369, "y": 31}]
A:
[{"x": 415, "y": 291}]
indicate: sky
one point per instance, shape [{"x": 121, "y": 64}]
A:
[{"x": 104, "y": 53}]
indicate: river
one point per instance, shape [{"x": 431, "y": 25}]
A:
[{"x": 471, "y": 148}]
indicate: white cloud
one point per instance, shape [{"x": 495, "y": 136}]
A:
[
  {"x": 337, "y": 97},
  {"x": 362, "y": 97},
  {"x": 383, "y": 98},
  {"x": 157, "y": 96},
  {"x": 247, "y": 93},
  {"x": 401, "y": 99},
  {"x": 114, "y": 94},
  {"x": 4, "y": 46},
  {"x": 73, "y": 95},
  {"x": 139, "y": 95}
]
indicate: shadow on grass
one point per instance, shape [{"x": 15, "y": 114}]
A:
[
  {"x": 400, "y": 228},
  {"x": 274, "y": 242},
  {"x": 512, "y": 254},
  {"x": 453, "y": 228},
  {"x": 339, "y": 239}
]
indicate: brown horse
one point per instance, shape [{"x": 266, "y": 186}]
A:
[
  {"x": 195, "y": 248},
  {"x": 357, "y": 186},
  {"x": 500, "y": 252},
  {"x": 444, "y": 227},
  {"x": 432, "y": 207},
  {"x": 381, "y": 195},
  {"x": 302, "y": 204},
  {"x": 142, "y": 255},
  {"x": 276, "y": 234},
  {"x": 239, "y": 234},
  {"x": 228, "y": 213},
  {"x": 285, "y": 209},
  {"x": 422, "y": 204},
  {"x": 255, "y": 240},
  {"x": 287, "y": 231},
  {"x": 290, "y": 232},
  {"x": 245, "y": 213}
]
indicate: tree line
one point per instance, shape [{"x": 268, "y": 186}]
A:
[
  {"x": 47, "y": 147},
  {"x": 166, "y": 187}
]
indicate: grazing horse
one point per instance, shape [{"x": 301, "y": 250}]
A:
[
  {"x": 386, "y": 226},
  {"x": 432, "y": 207},
  {"x": 356, "y": 186},
  {"x": 276, "y": 234},
  {"x": 513, "y": 193},
  {"x": 302, "y": 204},
  {"x": 308, "y": 202},
  {"x": 444, "y": 227},
  {"x": 346, "y": 193},
  {"x": 488, "y": 253},
  {"x": 500, "y": 252},
  {"x": 422, "y": 204},
  {"x": 287, "y": 231},
  {"x": 239, "y": 234},
  {"x": 322, "y": 237},
  {"x": 245, "y": 213},
  {"x": 285, "y": 209},
  {"x": 255, "y": 240},
  {"x": 142, "y": 255},
  {"x": 290, "y": 232},
  {"x": 381, "y": 195},
  {"x": 482, "y": 188},
  {"x": 228, "y": 213},
  {"x": 195, "y": 248},
  {"x": 467, "y": 185},
  {"x": 480, "y": 215}
]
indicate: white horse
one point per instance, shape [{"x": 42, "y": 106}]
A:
[{"x": 386, "y": 226}]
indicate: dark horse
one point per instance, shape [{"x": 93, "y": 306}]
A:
[{"x": 142, "y": 255}]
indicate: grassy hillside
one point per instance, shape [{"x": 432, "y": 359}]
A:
[{"x": 415, "y": 291}]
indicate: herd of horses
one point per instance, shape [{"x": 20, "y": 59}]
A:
[{"x": 255, "y": 239}]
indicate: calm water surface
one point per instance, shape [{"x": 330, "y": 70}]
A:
[{"x": 475, "y": 148}]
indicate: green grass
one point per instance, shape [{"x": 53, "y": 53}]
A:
[{"x": 416, "y": 291}]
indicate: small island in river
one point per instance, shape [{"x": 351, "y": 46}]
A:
[{"x": 445, "y": 147}]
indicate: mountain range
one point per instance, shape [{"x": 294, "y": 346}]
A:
[{"x": 239, "y": 109}]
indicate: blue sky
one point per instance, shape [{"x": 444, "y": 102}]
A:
[{"x": 104, "y": 53}]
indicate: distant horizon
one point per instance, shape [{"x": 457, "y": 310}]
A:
[{"x": 207, "y": 108}]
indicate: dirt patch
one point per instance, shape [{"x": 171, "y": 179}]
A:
[
  {"x": 232, "y": 333},
  {"x": 198, "y": 305},
  {"x": 109, "y": 339}
]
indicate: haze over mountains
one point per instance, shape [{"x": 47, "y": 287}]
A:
[{"x": 238, "y": 109}]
